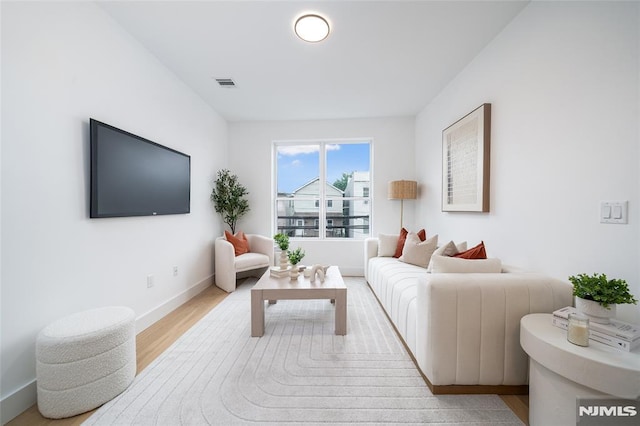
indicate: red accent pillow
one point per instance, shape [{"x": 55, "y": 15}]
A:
[
  {"x": 239, "y": 242},
  {"x": 422, "y": 234},
  {"x": 477, "y": 252}
]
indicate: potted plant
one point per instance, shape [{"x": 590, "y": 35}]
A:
[
  {"x": 282, "y": 240},
  {"x": 295, "y": 257},
  {"x": 228, "y": 196},
  {"x": 597, "y": 296}
]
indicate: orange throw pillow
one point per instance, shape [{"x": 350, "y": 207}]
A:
[
  {"x": 477, "y": 252},
  {"x": 239, "y": 242},
  {"x": 422, "y": 234}
]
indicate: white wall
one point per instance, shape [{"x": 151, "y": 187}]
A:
[
  {"x": 250, "y": 145},
  {"x": 562, "y": 79},
  {"x": 63, "y": 63},
  {"x": 637, "y": 286}
]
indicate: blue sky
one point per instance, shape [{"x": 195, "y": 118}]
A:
[{"x": 300, "y": 164}]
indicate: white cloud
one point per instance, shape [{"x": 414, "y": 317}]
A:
[
  {"x": 298, "y": 149},
  {"x": 292, "y": 150}
]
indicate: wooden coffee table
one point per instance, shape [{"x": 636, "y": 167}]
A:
[{"x": 274, "y": 289}]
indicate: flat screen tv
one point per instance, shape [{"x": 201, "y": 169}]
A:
[{"x": 133, "y": 176}]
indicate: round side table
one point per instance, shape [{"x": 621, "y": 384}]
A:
[{"x": 560, "y": 372}]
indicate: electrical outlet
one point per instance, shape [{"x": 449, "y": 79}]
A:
[
  {"x": 150, "y": 282},
  {"x": 175, "y": 271}
]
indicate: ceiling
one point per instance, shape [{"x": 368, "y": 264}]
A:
[{"x": 382, "y": 58}]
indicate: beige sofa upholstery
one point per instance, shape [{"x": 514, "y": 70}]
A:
[
  {"x": 462, "y": 328},
  {"x": 228, "y": 265}
]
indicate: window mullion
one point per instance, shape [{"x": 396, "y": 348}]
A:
[{"x": 322, "y": 214}]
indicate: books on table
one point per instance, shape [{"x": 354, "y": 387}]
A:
[
  {"x": 276, "y": 272},
  {"x": 617, "y": 334}
]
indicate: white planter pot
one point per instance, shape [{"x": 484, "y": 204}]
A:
[
  {"x": 595, "y": 311},
  {"x": 295, "y": 273},
  {"x": 284, "y": 260}
]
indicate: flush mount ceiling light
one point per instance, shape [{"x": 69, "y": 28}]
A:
[{"x": 312, "y": 28}]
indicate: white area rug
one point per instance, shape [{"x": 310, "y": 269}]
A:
[{"x": 298, "y": 372}]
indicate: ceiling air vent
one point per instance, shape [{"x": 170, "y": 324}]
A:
[{"x": 226, "y": 82}]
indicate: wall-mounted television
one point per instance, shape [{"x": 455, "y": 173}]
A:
[{"x": 133, "y": 176}]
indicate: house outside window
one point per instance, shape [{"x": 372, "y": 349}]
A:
[{"x": 322, "y": 189}]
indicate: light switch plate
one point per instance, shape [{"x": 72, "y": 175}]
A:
[{"x": 613, "y": 212}]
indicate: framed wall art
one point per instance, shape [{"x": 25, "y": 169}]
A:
[{"x": 465, "y": 162}]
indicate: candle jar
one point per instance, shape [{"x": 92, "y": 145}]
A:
[{"x": 578, "y": 330}]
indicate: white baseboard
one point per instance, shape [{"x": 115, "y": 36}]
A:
[
  {"x": 149, "y": 318},
  {"x": 16, "y": 403},
  {"x": 352, "y": 272},
  {"x": 13, "y": 405}
]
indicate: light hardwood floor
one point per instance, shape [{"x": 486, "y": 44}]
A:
[
  {"x": 156, "y": 339},
  {"x": 519, "y": 404}
]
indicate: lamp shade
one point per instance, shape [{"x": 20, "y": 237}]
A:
[{"x": 403, "y": 190}]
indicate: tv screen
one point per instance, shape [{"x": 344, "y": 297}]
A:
[{"x": 132, "y": 176}]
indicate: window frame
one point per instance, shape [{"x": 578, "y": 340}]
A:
[{"x": 322, "y": 197}]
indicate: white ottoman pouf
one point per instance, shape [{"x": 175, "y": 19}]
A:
[{"x": 85, "y": 360}]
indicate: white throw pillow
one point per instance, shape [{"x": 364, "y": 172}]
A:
[
  {"x": 448, "y": 249},
  {"x": 418, "y": 252},
  {"x": 445, "y": 264},
  {"x": 387, "y": 245}
]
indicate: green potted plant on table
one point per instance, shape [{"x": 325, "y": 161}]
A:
[
  {"x": 228, "y": 196},
  {"x": 295, "y": 257},
  {"x": 597, "y": 296},
  {"x": 282, "y": 240}
]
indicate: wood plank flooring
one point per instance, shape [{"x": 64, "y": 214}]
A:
[
  {"x": 519, "y": 404},
  {"x": 156, "y": 339}
]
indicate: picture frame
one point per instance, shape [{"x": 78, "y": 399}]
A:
[{"x": 466, "y": 152}]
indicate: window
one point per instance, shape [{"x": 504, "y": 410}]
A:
[
  {"x": 337, "y": 208},
  {"x": 299, "y": 228}
]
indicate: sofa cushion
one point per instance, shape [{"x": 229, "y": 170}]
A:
[
  {"x": 239, "y": 242},
  {"x": 446, "y": 264},
  {"x": 417, "y": 252},
  {"x": 394, "y": 283},
  {"x": 448, "y": 249},
  {"x": 422, "y": 234},
  {"x": 248, "y": 261},
  {"x": 477, "y": 252},
  {"x": 387, "y": 245}
]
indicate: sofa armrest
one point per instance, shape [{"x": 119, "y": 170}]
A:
[
  {"x": 370, "y": 250},
  {"x": 470, "y": 324},
  {"x": 261, "y": 244},
  {"x": 224, "y": 264}
]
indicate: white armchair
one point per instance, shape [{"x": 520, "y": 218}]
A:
[{"x": 228, "y": 265}]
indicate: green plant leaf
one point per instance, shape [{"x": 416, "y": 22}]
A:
[
  {"x": 599, "y": 288},
  {"x": 228, "y": 198}
]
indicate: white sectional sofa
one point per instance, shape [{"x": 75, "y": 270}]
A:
[{"x": 463, "y": 328}]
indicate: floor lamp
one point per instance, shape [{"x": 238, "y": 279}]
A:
[{"x": 403, "y": 190}]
